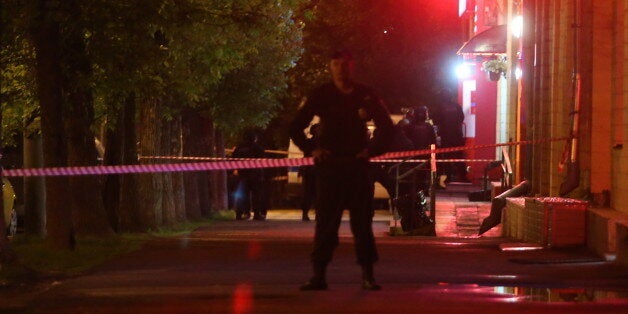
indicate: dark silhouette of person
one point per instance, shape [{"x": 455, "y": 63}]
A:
[
  {"x": 422, "y": 135},
  {"x": 342, "y": 165},
  {"x": 250, "y": 189},
  {"x": 308, "y": 175},
  {"x": 449, "y": 119},
  {"x": 381, "y": 172}
]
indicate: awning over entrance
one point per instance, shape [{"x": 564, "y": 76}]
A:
[{"x": 489, "y": 42}]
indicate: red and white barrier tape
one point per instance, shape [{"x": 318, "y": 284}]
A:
[
  {"x": 154, "y": 168},
  {"x": 192, "y": 158},
  {"x": 232, "y": 159},
  {"x": 228, "y": 164},
  {"x": 426, "y": 160},
  {"x": 460, "y": 148},
  {"x": 269, "y": 151}
]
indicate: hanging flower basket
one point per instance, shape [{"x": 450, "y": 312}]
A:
[
  {"x": 495, "y": 68},
  {"x": 494, "y": 76}
]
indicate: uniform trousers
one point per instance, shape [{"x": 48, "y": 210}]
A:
[{"x": 344, "y": 183}]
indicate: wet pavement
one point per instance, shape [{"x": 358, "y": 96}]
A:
[{"x": 257, "y": 267}]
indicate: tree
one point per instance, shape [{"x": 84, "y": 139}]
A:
[
  {"x": 250, "y": 96},
  {"x": 107, "y": 62},
  {"x": 47, "y": 41},
  {"x": 20, "y": 108},
  {"x": 88, "y": 212}
]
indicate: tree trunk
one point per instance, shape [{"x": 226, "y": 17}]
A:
[
  {"x": 168, "y": 210},
  {"x": 168, "y": 206},
  {"x": 88, "y": 209},
  {"x": 177, "y": 177},
  {"x": 34, "y": 187},
  {"x": 113, "y": 156},
  {"x": 205, "y": 149},
  {"x": 219, "y": 190},
  {"x": 49, "y": 78},
  {"x": 190, "y": 131},
  {"x": 87, "y": 205},
  {"x": 179, "y": 196},
  {"x": 150, "y": 184},
  {"x": 128, "y": 208}
]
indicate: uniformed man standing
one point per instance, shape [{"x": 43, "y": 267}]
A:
[
  {"x": 342, "y": 164},
  {"x": 450, "y": 119},
  {"x": 251, "y": 194}
]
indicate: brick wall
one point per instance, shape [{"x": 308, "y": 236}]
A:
[
  {"x": 551, "y": 102},
  {"x": 603, "y": 161},
  {"x": 619, "y": 118},
  {"x": 603, "y": 113},
  {"x": 601, "y": 135}
]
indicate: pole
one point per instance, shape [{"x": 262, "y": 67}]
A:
[{"x": 572, "y": 179}]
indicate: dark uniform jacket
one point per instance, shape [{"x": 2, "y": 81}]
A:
[
  {"x": 249, "y": 150},
  {"x": 421, "y": 134},
  {"x": 343, "y": 118},
  {"x": 449, "y": 120}
]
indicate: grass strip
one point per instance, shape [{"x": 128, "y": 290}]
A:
[{"x": 38, "y": 258}]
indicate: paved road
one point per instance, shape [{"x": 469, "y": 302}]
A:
[{"x": 256, "y": 267}]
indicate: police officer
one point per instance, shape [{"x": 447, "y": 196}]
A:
[
  {"x": 342, "y": 165},
  {"x": 250, "y": 181},
  {"x": 450, "y": 118}
]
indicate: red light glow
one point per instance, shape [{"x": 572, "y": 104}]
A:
[
  {"x": 243, "y": 299},
  {"x": 254, "y": 250}
]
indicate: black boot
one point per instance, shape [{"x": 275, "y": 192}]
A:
[
  {"x": 305, "y": 217},
  {"x": 368, "y": 280},
  {"x": 317, "y": 282}
]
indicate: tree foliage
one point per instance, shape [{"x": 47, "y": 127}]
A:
[
  {"x": 250, "y": 95},
  {"x": 225, "y": 57},
  {"x": 17, "y": 96}
]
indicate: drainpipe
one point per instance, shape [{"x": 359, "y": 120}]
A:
[{"x": 572, "y": 179}]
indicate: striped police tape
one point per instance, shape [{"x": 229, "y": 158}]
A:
[{"x": 231, "y": 164}]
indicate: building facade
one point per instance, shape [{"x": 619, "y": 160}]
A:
[{"x": 567, "y": 77}]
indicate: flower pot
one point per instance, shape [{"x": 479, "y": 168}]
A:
[{"x": 494, "y": 76}]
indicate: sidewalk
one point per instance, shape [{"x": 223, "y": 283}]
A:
[{"x": 257, "y": 266}]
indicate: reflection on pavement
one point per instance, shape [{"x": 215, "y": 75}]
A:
[
  {"x": 528, "y": 294},
  {"x": 563, "y": 294}
]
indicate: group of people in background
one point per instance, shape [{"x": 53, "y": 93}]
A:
[
  {"x": 417, "y": 130},
  {"x": 414, "y": 132}
]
